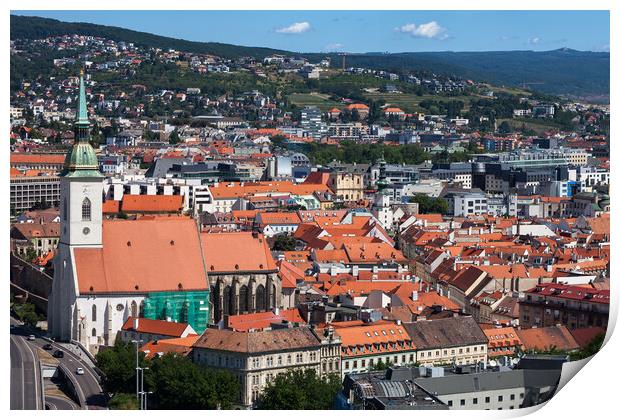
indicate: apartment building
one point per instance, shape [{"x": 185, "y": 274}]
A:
[
  {"x": 257, "y": 357},
  {"x": 25, "y": 191},
  {"x": 456, "y": 340},
  {"x": 573, "y": 306}
]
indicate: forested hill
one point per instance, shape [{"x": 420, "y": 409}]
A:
[
  {"x": 560, "y": 72},
  {"x": 30, "y": 27}
]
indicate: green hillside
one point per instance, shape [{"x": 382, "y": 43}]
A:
[{"x": 559, "y": 72}]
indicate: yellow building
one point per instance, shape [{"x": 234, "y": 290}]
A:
[{"x": 347, "y": 186}]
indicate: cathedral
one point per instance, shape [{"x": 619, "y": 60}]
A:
[{"x": 155, "y": 267}]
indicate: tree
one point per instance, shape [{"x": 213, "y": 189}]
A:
[
  {"x": 299, "y": 390},
  {"x": 591, "y": 348},
  {"x": 31, "y": 255},
  {"x": 504, "y": 127},
  {"x": 381, "y": 365},
  {"x": 26, "y": 312},
  {"x": 118, "y": 364},
  {"x": 284, "y": 243},
  {"x": 428, "y": 204},
  {"x": 178, "y": 383},
  {"x": 174, "y": 137},
  {"x": 40, "y": 205},
  {"x": 122, "y": 401}
]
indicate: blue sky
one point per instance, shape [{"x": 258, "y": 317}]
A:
[{"x": 364, "y": 31}]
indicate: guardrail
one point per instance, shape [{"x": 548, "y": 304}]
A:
[
  {"x": 73, "y": 385},
  {"x": 90, "y": 356},
  {"x": 41, "y": 383}
]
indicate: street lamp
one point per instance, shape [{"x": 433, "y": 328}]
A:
[
  {"x": 142, "y": 393},
  {"x": 137, "y": 343}
]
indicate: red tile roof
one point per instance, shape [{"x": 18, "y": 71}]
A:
[
  {"x": 182, "y": 346},
  {"x": 278, "y": 218},
  {"x": 144, "y": 255},
  {"x": 564, "y": 291},
  {"x": 584, "y": 336},
  {"x": 236, "y": 251},
  {"x": 155, "y": 326},
  {"x": 152, "y": 203},
  {"x": 23, "y": 158},
  {"x": 111, "y": 207},
  {"x": 260, "y": 320},
  {"x": 546, "y": 338}
]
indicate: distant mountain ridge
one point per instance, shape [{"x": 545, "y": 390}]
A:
[{"x": 561, "y": 72}]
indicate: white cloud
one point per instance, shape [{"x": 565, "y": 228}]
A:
[
  {"x": 336, "y": 46},
  {"x": 295, "y": 28},
  {"x": 534, "y": 40},
  {"x": 430, "y": 30}
]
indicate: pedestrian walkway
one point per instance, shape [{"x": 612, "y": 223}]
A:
[{"x": 78, "y": 351}]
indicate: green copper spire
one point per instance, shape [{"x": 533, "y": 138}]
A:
[
  {"x": 81, "y": 161},
  {"x": 82, "y": 111}
]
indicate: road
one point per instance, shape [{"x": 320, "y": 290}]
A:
[
  {"x": 60, "y": 403},
  {"x": 88, "y": 385},
  {"x": 26, "y": 389}
]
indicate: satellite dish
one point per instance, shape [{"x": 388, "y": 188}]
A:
[{"x": 493, "y": 363}]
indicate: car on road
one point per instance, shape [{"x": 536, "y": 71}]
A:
[
  {"x": 31, "y": 337},
  {"x": 48, "y": 346},
  {"x": 79, "y": 371},
  {"x": 59, "y": 354}
]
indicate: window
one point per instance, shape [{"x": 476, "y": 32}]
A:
[
  {"x": 462, "y": 402},
  {"x": 500, "y": 398},
  {"x": 487, "y": 399},
  {"x": 512, "y": 397},
  {"x": 279, "y": 360},
  {"x": 86, "y": 210},
  {"x": 346, "y": 365},
  {"x": 449, "y": 403},
  {"x": 94, "y": 332},
  {"x": 64, "y": 209},
  {"x": 94, "y": 313},
  {"x": 475, "y": 401}
]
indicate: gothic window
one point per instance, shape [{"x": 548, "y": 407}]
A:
[
  {"x": 64, "y": 209},
  {"x": 260, "y": 298},
  {"x": 134, "y": 309},
  {"x": 94, "y": 313},
  {"x": 86, "y": 210},
  {"x": 243, "y": 299},
  {"x": 273, "y": 296},
  {"x": 226, "y": 300},
  {"x": 94, "y": 332}
]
